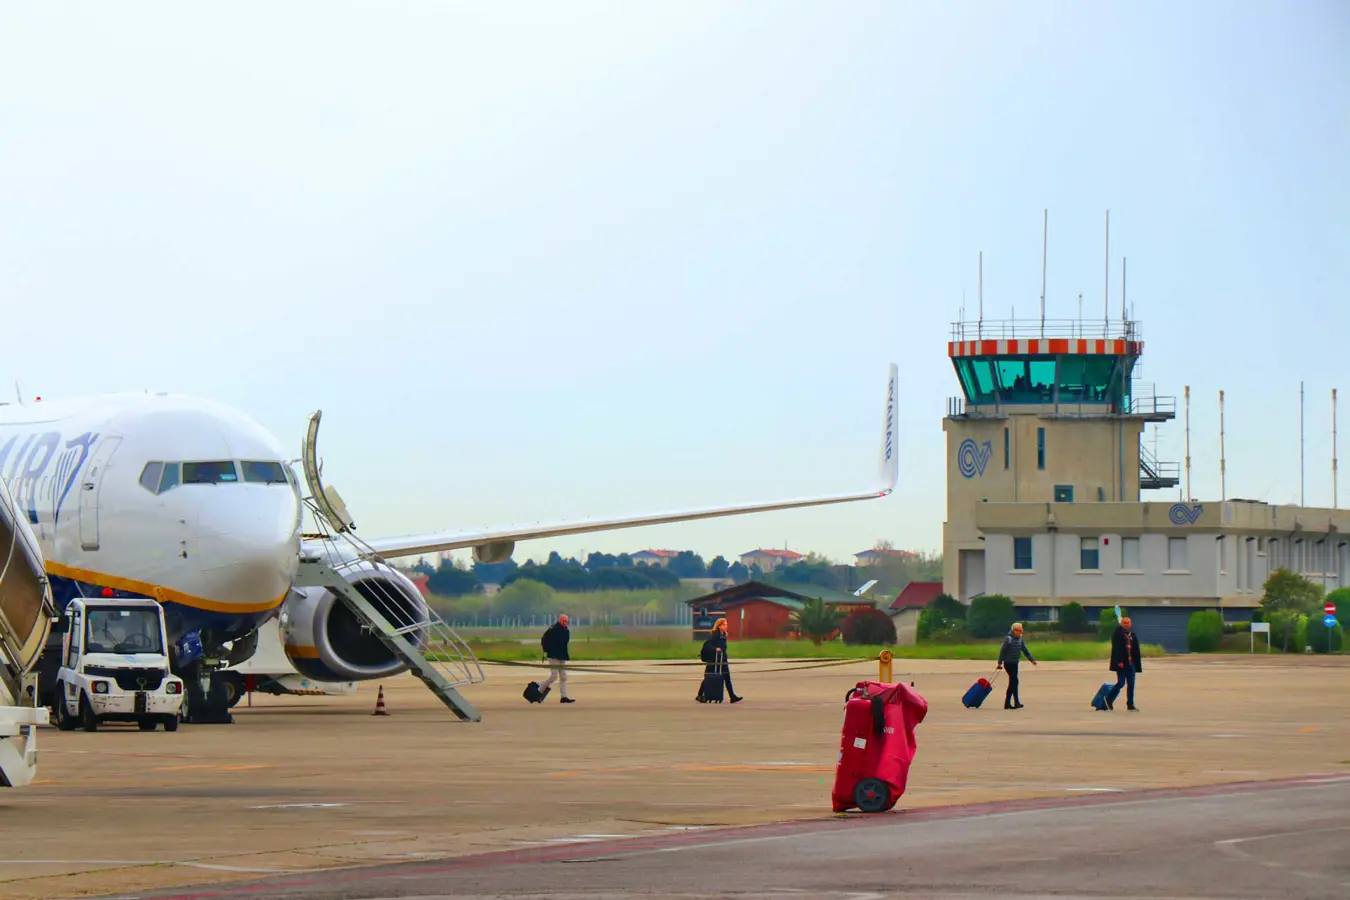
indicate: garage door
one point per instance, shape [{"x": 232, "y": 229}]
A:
[{"x": 1161, "y": 625}]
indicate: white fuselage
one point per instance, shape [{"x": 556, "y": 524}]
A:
[{"x": 175, "y": 498}]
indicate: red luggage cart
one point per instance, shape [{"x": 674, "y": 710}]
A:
[{"x": 877, "y": 746}]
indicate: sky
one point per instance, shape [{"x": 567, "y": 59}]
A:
[{"x": 548, "y": 261}]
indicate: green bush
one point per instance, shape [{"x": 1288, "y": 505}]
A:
[
  {"x": 1204, "y": 630},
  {"x": 1317, "y": 636},
  {"x": 1072, "y": 618},
  {"x": 1300, "y": 634},
  {"x": 1107, "y": 622},
  {"x": 990, "y": 616},
  {"x": 868, "y": 626},
  {"x": 944, "y": 614},
  {"x": 1236, "y": 627},
  {"x": 1340, "y": 597}
]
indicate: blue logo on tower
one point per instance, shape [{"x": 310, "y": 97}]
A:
[
  {"x": 972, "y": 458},
  {"x": 1181, "y": 514}
]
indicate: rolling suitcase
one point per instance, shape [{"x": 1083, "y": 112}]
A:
[
  {"x": 711, "y": 689},
  {"x": 1099, "y": 700},
  {"x": 533, "y": 693},
  {"x": 978, "y": 692}
]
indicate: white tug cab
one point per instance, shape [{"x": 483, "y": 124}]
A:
[{"x": 115, "y": 666}]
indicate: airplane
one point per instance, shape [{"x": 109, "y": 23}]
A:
[{"x": 194, "y": 504}]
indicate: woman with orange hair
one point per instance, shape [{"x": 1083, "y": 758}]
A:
[{"x": 714, "y": 656}]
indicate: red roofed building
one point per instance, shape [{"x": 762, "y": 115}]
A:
[
  {"x": 768, "y": 560},
  {"x": 906, "y": 607},
  {"x": 654, "y": 557}
]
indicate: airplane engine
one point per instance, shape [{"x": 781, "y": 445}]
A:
[
  {"x": 325, "y": 640},
  {"x": 494, "y": 552}
]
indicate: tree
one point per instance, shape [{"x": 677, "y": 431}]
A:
[
  {"x": 738, "y": 573},
  {"x": 943, "y": 613},
  {"x": 524, "y": 598},
  {"x": 1072, "y": 618},
  {"x": 719, "y": 567},
  {"x": 451, "y": 581},
  {"x": 820, "y": 574},
  {"x": 990, "y": 616},
  {"x": 1340, "y": 597},
  {"x": 688, "y": 564},
  {"x": 1322, "y": 639},
  {"x": 1286, "y": 596},
  {"x": 868, "y": 625},
  {"x": 1107, "y": 622},
  {"x": 493, "y": 573},
  {"x": 1204, "y": 630},
  {"x": 816, "y": 620}
]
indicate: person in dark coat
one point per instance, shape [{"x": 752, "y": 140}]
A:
[
  {"x": 554, "y": 643},
  {"x": 1009, "y": 656},
  {"x": 715, "y": 643},
  {"x": 1125, "y": 662}
]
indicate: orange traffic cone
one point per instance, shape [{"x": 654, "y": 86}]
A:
[{"x": 379, "y": 704}]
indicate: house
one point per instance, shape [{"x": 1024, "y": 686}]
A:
[
  {"x": 906, "y": 608},
  {"x": 875, "y": 557},
  {"x": 660, "y": 558},
  {"x": 759, "y": 611},
  {"x": 768, "y": 560}
]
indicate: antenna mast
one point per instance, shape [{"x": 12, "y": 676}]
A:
[
  {"x": 1335, "y": 504},
  {"x": 1045, "y": 235},
  {"x": 1223, "y": 462},
  {"x": 981, "y": 325},
  {"x": 1188, "y": 443},
  {"x": 1106, "y": 280},
  {"x": 1300, "y": 444}
]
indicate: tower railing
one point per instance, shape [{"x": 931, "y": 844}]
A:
[{"x": 1028, "y": 329}]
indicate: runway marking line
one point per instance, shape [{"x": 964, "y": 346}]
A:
[{"x": 758, "y": 833}]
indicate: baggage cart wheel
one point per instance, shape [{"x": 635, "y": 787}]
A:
[{"x": 871, "y": 795}]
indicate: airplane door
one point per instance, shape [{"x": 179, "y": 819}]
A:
[{"x": 90, "y": 483}]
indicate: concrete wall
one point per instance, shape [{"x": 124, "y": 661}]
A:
[
  {"x": 906, "y": 627},
  {"x": 1083, "y": 453}
]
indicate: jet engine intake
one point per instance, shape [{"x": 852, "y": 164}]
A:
[
  {"x": 326, "y": 641},
  {"x": 493, "y": 552}
]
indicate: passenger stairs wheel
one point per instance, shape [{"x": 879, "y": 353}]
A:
[{"x": 872, "y": 795}]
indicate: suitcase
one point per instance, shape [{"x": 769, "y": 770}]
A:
[
  {"x": 712, "y": 688},
  {"x": 876, "y": 746},
  {"x": 1099, "y": 700},
  {"x": 533, "y": 693},
  {"x": 978, "y": 692}
]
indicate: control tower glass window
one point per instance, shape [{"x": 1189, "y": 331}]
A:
[
  {"x": 1089, "y": 379},
  {"x": 978, "y": 380}
]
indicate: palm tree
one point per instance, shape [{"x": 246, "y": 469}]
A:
[{"x": 816, "y": 620}]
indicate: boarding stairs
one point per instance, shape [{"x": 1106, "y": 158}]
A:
[
  {"x": 433, "y": 651},
  {"x": 26, "y": 611}
]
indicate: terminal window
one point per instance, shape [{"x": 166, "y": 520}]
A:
[
  {"x": 1129, "y": 553},
  {"x": 1088, "y": 554},
  {"x": 1021, "y": 553},
  {"x": 1176, "y": 554},
  {"x": 1040, "y": 448}
]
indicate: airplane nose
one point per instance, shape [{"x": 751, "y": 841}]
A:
[{"x": 255, "y": 546}]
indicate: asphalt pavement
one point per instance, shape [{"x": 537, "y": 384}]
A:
[{"x": 1288, "y": 840}]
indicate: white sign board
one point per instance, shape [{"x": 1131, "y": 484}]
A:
[{"x": 1260, "y": 628}]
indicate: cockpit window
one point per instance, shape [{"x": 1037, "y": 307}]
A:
[
  {"x": 170, "y": 477},
  {"x": 150, "y": 476},
  {"x": 263, "y": 472},
  {"x": 215, "y": 472}
]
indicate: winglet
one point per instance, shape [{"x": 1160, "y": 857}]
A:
[{"x": 890, "y": 459}]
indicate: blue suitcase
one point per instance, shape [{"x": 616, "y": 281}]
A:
[
  {"x": 978, "y": 691},
  {"x": 1099, "y": 700}
]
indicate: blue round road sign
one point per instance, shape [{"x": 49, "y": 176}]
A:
[{"x": 1329, "y": 621}]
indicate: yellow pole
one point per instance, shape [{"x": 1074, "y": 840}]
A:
[{"x": 884, "y": 676}]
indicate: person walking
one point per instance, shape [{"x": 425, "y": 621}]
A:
[
  {"x": 554, "y": 643},
  {"x": 715, "y": 644},
  {"x": 1125, "y": 662},
  {"x": 1009, "y": 657}
]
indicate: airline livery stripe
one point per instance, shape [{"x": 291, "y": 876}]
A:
[{"x": 158, "y": 592}]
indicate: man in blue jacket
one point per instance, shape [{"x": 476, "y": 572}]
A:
[
  {"x": 554, "y": 643},
  {"x": 1009, "y": 655},
  {"x": 1125, "y": 662}
]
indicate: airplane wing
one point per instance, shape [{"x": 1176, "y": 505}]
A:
[{"x": 503, "y": 538}]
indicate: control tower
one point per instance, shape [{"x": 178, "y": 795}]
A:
[{"x": 1050, "y": 412}]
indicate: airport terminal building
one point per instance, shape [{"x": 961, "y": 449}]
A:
[{"x": 1046, "y": 474}]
